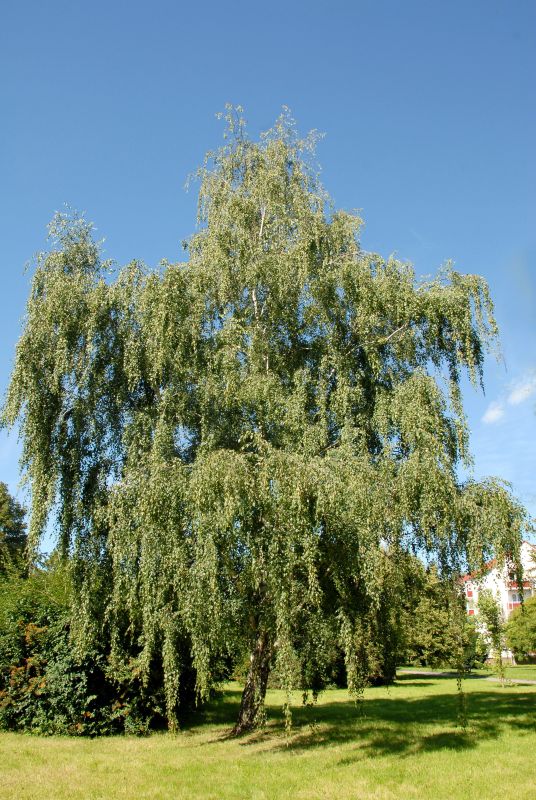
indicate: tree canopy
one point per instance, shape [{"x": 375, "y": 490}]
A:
[{"x": 239, "y": 449}]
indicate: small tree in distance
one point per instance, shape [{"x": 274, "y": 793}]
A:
[
  {"x": 12, "y": 532},
  {"x": 494, "y": 630},
  {"x": 242, "y": 447}
]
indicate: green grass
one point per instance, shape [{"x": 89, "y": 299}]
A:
[
  {"x": 522, "y": 672},
  {"x": 402, "y": 742}
]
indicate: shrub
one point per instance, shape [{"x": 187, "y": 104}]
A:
[{"x": 47, "y": 686}]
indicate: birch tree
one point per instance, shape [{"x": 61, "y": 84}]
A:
[{"x": 239, "y": 449}]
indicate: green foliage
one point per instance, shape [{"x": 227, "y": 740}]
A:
[
  {"x": 435, "y": 628},
  {"x": 233, "y": 443},
  {"x": 434, "y": 622},
  {"x": 12, "y": 533},
  {"x": 491, "y": 616},
  {"x": 49, "y": 688},
  {"x": 475, "y": 647},
  {"x": 28, "y": 607},
  {"x": 521, "y": 630},
  {"x": 494, "y": 627}
]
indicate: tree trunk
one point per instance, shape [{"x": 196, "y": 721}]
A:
[{"x": 253, "y": 696}]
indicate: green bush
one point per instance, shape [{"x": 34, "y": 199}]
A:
[
  {"x": 521, "y": 630},
  {"x": 47, "y": 686}
]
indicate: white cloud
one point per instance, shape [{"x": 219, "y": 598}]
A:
[
  {"x": 494, "y": 412},
  {"x": 522, "y": 391}
]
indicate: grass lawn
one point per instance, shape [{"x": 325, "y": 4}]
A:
[
  {"x": 402, "y": 743},
  {"x": 521, "y": 672}
]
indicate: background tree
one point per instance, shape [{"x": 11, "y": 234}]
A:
[
  {"x": 521, "y": 630},
  {"x": 233, "y": 443},
  {"x": 12, "y": 532},
  {"x": 494, "y": 627},
  {"x": 436, "y": 630}
]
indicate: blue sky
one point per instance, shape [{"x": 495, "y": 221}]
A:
[{"x": 430, "y": 119}]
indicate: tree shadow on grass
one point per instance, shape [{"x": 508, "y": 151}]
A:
[
  {"x": 384, "y": 726},
  {"x": 221, "y": 710},
  {"x": 413, "y": 681},
  {"x": 404, "y": 726}
]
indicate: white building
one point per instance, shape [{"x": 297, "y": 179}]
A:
[{"x": 502, "y": 583}]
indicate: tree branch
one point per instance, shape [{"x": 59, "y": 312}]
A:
[
  {"x": 401, "y": 329},
  {"x": 255, "y": 305},
  {"x": 263, "y": 214}
]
